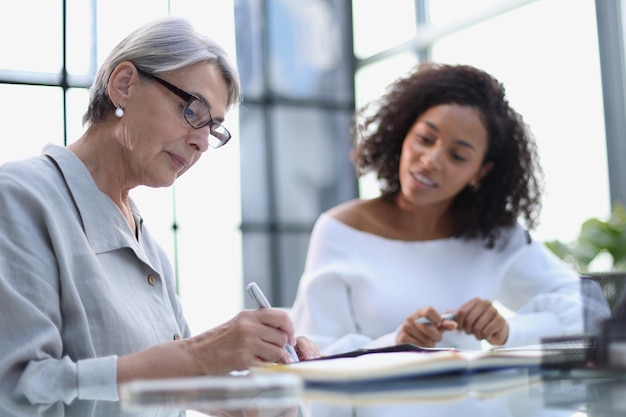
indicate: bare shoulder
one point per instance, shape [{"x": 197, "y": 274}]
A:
[
  {"x": 362, "y": 215},
  {"x": 349, "y": 212}
]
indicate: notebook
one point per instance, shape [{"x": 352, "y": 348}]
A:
[{"x": 347, "y": 368}]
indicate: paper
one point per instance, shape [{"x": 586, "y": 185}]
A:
[{"x": 395, "y": 365}]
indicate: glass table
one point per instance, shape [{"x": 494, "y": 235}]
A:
[{"x": 511, "y": 393}]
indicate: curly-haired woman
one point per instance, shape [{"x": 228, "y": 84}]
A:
[{"x": 460, "y": 186}]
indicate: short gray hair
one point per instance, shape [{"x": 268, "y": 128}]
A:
[{"x": 163, "y": 45}]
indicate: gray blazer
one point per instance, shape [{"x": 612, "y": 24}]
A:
[{"x": 77, "y": 288}]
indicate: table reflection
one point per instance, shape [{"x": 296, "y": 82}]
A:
[
  {"x": 15, "y": 408},
  {"x": 257, "y": 406},
  {"x": 600, "y": 396},
  {"x": 549, "y": 394},
  {"x": 513, "y": 405},
  {"x": 507, "y": 394},
  {"x": 541, "y": 396}
]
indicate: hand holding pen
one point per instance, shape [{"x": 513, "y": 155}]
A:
[
  {"x": 478, "y": 317},
  {"x": 445, "y": 316},
  {"x": 423, "y": 329},
  {"x": 261, "y": 301}
]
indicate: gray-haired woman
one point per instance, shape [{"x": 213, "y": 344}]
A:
[{"x": 87, "y": 294}]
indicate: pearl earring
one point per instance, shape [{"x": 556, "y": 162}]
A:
[{"x": 119, "y": 112}]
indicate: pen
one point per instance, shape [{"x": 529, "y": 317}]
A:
[
  {"x": 426, "y": 320},
  {"x": 261, "y": 301}
]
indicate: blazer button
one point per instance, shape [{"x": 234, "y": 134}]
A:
[
  {"x": 176, "y": 336},
  {"x": 152, "y": 280}
]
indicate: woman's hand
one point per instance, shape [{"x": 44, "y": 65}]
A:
[
  {"x": 424, "y": 334},
  {"x": 248, "y": 339},
  {"x": 480, "y": 318},
  {"x": 251, "y": 337},
  {"x": 306, "y": 349}
]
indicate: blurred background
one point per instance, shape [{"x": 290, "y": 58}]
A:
[{"x": 245, "y": 212}]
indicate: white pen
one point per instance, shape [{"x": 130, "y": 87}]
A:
[
  {"x": 261, "y": 301},
  {"x": 426, "y": 320}
]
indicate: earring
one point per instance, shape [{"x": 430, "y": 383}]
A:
[
  {"x": 474, "y": 186},
  {"x": 119, "y": 112}
]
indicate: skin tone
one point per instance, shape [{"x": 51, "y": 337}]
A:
[
  {"x": 442, "y": 154},
  {"x": 152, "y": 145}
]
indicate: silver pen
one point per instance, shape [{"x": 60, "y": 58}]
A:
[
  {"x": 261, "y": 301},
  {"x": 426, "y": 320}
]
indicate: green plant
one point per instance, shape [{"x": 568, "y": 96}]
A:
[{"x": 596, "y": 237}]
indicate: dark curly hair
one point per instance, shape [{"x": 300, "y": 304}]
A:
[{"x": 513, "y": 187}]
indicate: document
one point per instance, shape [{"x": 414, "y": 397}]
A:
[{"x": 404, "y": 364}]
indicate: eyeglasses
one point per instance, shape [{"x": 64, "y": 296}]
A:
[{"x": 196, "y": 113}]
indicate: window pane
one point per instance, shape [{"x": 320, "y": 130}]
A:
[
  {"x": 255, "y": 191},
  {"x": 306, "y": 60},
  {"x": 256, "y": 264},
  {"x": 31, "y": 35},
  {"x": 293, "y": 248},
  {"x": 313, "y": 169},
  {"x": 23, "y": 135},
  {"x": 77, "y": 101},
  {"x": 444, "y": 12},
  {"x": 249, "y": 15},
  {"x": 79, "y": 37},
  {"x": 372, "y": 80},
  {"x": 553, "y": 79},
  {"x": 380, "y": 25}
]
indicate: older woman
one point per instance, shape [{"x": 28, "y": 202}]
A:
[
  {"x": 87, "y": 295},
  {"x": 457, "y": 169}
]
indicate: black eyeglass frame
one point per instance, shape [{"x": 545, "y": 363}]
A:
[{"x": 222, "y": 137}]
